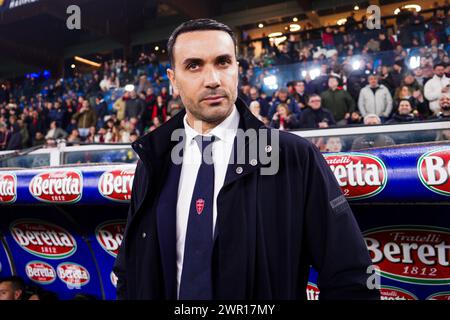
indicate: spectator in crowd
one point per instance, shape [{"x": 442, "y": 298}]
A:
[
  {"x": 143, "y": 84},
  {"x": 444, "y": 108},
  {"x": 355, "y": 118},
  {"x": 299, "y": 94},
  {"x": 55, "y": 132},
  {"x": 315, "y": 116},
  {"x": 404, "y": 113},
  {"x": 283, "y": 97},
  {"x": 338, "y": 101},
  {"x": 85, "y": 118},
  {"x": 12, "y": 288},
  {"x": 159, "y": 109},
  {"x": 175, "y": 104},
  {"x": 39, "y": 139},
  {"x": 134, "y": 107},
  {"x": 398, "y": 70},
  {"x": 417, "y": 26},
  {"x": 436, "y": 86},
  {"x": 4, "y": 136},
  {"x": 35, "y": 124},
  {"x": 74, "y": 137},
  {"x": 156, "y": 123},
  {"x": 255, "y": 109},
  {"x": 372, "y": 140},
  {"x": 333, "y": 144},
  {"x": 119, "y": 106},
  {"x": 283, "y": 119},
  {"x": 375, "y": 98},
  {"x": 328, "y": 38},
  {"x": 263, "y": 104},
  {"x": 15, "y": 141},
  {"x": 24, "y": 134},
  {"x": 34, "y": 104},
  {"x": 174, "y": 107},
  {"x": 101, "y": 110}
]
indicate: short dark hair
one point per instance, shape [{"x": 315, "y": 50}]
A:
[
  {"x": 16, "y": 282},
  {"x": 313, "y": 96},
  {"x": 439, "y": 65},
  {"x": 196, "y": 25},
  {"x": 404, "y": 99}
]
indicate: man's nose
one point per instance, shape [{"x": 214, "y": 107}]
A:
[{"x": 212, "y": 78}]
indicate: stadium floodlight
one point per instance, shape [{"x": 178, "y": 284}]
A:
[
  {"x": 129, "y": 87},
  {"x": 271, "y": 82},
  {"x": 314, "y": 73},
  {"x": 356, "y": 64},
  {"x": 414, "y": 62},
  {"x": 72, "y": 66},
  {"x": 304, "y": 73},
  {"x": 293, "y": 27}
]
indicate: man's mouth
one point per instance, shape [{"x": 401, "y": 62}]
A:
[{"x": 214, "y": 99}]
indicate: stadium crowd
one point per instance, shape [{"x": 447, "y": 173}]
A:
[{"x": 361, "y": 77}]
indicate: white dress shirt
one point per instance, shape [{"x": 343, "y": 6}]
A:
[{"x": 222, "y": 147}]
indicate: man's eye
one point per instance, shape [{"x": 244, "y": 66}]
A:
[
  {"x": 192, "y": 66},
  {"x": 224, "y": 62}
]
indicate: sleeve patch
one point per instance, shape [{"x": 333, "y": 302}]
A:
[{"x": 339, "y": 204}]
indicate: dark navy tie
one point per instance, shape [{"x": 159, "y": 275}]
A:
[{"x": 196, "y": 282}]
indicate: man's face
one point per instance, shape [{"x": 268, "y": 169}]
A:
[
  {"x": 300, "y": 87},
  {"x": 254, "y": 93},
  {"x": 332, "y": 83},
  {"x": 315, "y": 102},
  {"x": 205, "y": 74},
  {"x": 373, "y": 82},
  {"x": 439, "y": 71},
  {"x": 7, "y": 291},
  {"x": 444, "y": 102},
  {"x": 282, "y": 95},
  {"x": 404, "y": 108}
]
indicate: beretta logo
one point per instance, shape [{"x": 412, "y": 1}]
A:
[
  {"x": 110, "y": 234},
  {"x": 62, "y": 186},
  {"x": 116, "y": 184},
  {"x": 434, "y": 170},
  {"x": 359, "y": 175},
  {"x": 444, "y": 296},
  {"x": 393, "y": 293},
  {"x": 40, "y": 272},
  {"x": 73, "y": 274},
  {"x": 412, "y": 254},
  {"x": 8, "y": 187},
  {"x": 43, "y": 239},
  {"x": 312, "y": 291}
]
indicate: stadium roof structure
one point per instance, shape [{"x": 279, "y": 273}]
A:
[{"x": 34, "y": 35}]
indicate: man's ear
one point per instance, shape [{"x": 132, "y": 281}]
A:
[
  {"x": 17, "y": 294},
  {"x": 171, "y": 75}
]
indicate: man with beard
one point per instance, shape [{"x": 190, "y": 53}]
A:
[{"x": 209, "y": 218}]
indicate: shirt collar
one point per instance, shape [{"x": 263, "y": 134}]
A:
[{"x": 226, "y": 130}]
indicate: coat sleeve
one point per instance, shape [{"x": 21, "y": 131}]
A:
[
  {"x": 431, "y": 90},
  {"x": 335, "y": 244},
  {"x": 119, "y": 267},
  {"x": 361, "y": 103},
  {"x": 389, "y": 102}
]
